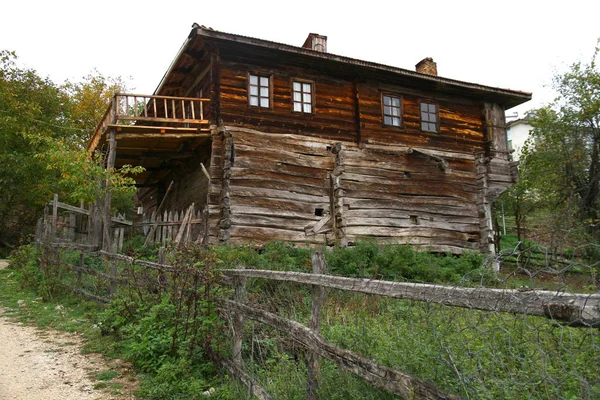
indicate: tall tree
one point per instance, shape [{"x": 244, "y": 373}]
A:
[{"x": 566, "y": 141}]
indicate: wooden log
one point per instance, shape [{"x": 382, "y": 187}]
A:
[
  {"x": 385, "y": 378},
  {"x": 575, "y": 309},
  {"x": 110, "y": 163}
]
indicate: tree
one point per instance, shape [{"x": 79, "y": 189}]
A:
[
  {"x": 43, "y": 130},
  {"x": 559, "y": 173},
  {"x": 563, "y": 157}
]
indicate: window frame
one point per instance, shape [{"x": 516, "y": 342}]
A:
[
  {"x": 259, "y": 97},
  {"x": 400, "y": 108},
  {"x": 437, "y": 115},
  {"x": 302, "y": 102}
]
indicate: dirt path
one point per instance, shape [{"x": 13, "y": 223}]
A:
[{"x": 40, "y": 364}]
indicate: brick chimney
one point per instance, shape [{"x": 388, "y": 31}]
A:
[
  {"x": 427, "y": 66},
  {"x": 316, "y": 42}
]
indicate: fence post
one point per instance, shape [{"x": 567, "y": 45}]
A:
[
  {"x": 79, "y": 273},
  {"x": 54, "y": 217},
  {"x": 313, "y": 360},
  {"x": 162, "y": 280},
  {"x": 238, "y": 320}
]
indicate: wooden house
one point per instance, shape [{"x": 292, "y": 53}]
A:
[{"x": 278, "y": 142}]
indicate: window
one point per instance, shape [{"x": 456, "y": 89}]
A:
[
  {"x": 429, "y": 117},
  {"x": 258, "y": 91},
  {"x": 302, "y": 96},
  {"x": 392, "y": 110}
]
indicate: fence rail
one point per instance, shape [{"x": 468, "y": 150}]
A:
[{"x": 575, "y": 309}]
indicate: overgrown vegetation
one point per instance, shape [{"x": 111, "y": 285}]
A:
[{"x": 172, "y": 332}]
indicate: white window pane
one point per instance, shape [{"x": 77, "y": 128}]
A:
[
  {"x": 432, "y": 108},
  {"x": 253, "y": 80},
  {"x": 307, "y": 98},
  {"x": 306, "y": 88},
  {"x": 432, "y": 118},
  {"x": 298, "y": 107},
  {"x": 264, "y": 81},
  {"x": 297, "y": 87},
  {"x": 253, "y": 90},
  {"x": 253, "y": 101},
  {"x": 395, "y": 102},
  {"x": 387, "y": 100},
  {"x": 396, "y": 121},
  {"x": 424, "y": 116},
  {"x": 387, "y": 110},
  {"x": 423, "y": 106},
  {"x": 297, "y": 97},
  {"x": 424, "y": 126},
  {"x": 433, "y": 127},
  {"x": 307, "y": 108},
  {"x": 396, "y": 112},
  {"x": 387, "y": 120},
  {"x": 264, "y": 102},
  {"x": 264, "y": 92}
]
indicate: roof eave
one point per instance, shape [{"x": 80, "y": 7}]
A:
[{"x": 511, "y": 97}]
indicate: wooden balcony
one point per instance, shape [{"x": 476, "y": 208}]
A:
[
  {"x": 147, "y": 116},
  {"x": 160, "y": 133}
]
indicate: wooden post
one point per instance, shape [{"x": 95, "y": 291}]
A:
[
  {"x": 110, "y": 163},
  {"x": 113, "y": 281},
  {"x": 313, "y": 360},
  {"x": 238, "y": 320},
  {"x": 79, "y": 273},
  {"x": 54, "y": 216},
  {"x": 162, "y": 279}
]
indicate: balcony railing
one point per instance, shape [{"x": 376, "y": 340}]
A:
[{"x": 138, "y": 110}]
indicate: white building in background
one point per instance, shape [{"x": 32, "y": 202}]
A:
[{"x": 517, "y": 133}]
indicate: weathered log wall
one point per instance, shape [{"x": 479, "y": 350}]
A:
[
  {"x": 407, "y": 196},
  {"x": 288, "y": 187},
  {"x": 276, "y": 187}
]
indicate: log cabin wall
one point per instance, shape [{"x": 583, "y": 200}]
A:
[
  {"x": 381, "y": 188},
  {"x": 287, "y": 187}
]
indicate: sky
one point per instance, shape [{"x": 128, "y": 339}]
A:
[{"x": 510, "y": 44}]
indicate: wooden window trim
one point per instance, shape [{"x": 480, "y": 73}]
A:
[
  {"x": 270, "y": 98},
  {"x": 383, "y": 114},
  {"x": 312, "y": 96},
  {"x": 437, "y": 116}
]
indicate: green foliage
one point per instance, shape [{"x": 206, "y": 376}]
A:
[
  {"x": 43, "y": 131},
  {"x": 367, "y": 259}
]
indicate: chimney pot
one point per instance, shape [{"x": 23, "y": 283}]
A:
[
  {"x": 427, "y": 66},
  {"x": 316, "y": 42}
]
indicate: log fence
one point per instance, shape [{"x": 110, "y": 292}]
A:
[{"x": 575, "y": 310}]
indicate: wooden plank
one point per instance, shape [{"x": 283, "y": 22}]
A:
[
  {"x": 385, "y": 378},
  {"x": 576, "y": 309},
  {"x": 407, "y": 223},
  {"x": 243, "y": 191}
]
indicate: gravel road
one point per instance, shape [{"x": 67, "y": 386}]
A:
[{"x": 38, "y": 364}]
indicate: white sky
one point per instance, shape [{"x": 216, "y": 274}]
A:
[{"x": 509, "y": 44}]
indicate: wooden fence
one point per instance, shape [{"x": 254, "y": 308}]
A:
[
  {"x": 578, "y": 310},
  {"x": 82, "y": 225}
]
